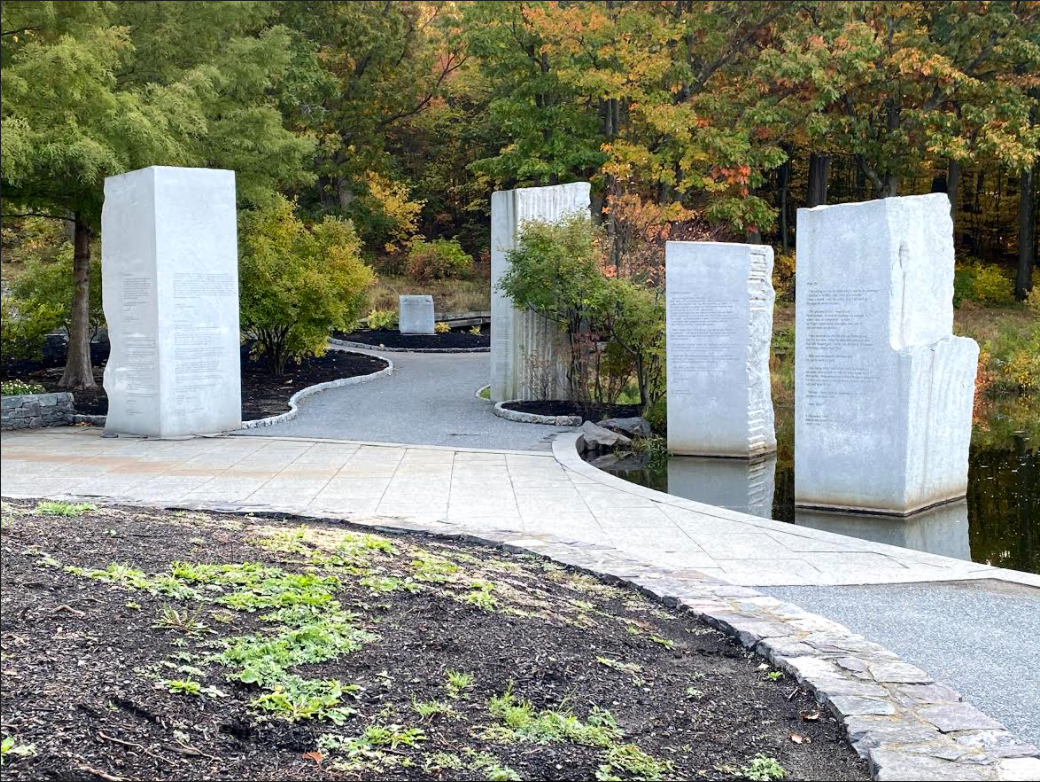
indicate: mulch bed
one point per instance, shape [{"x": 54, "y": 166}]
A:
[
  {"x": 88, "y": 661},
  {"x": 391, "y": 338},
  {"x": 566, "y": 407},
  {"x": 263, "y": 394}
]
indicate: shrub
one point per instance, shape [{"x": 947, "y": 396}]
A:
[
  {"x": 440, "y": 259},
  {"x": 297, "y": 283},
  {"x": 783, "y": 275},
  {"x": 555, "y": 271},
  {"x": 636, "y": 323},
  {"x": 41, "y": 303},
  {"x": 441, "y": 327},
  {"x": 983, "y": 283},
  {"x": 385, "y": 214},
  {"x": 382, "y": 319}
]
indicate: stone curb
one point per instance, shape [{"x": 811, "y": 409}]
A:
[
  {"x": 342, "y": 343},
  {"x": 533, "y": 418},
  {"x": 478, "y": 396},
  {"x": 905, "y": 724},
  {"x": 303, "y": 393}
]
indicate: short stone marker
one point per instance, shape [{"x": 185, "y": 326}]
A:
[
  {"x": 527, "y": 360},
  {"x": 719, "y": 324},
  {"x": 415, "y": 315},
  {"x": 169, "y": 252},
  {"x": 883, "y": 391}
]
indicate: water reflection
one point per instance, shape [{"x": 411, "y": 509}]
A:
[
  {"x": 737, "y": 484},
  {"x": 998, "y": 523},
  {"x": 940, "y": 530}
]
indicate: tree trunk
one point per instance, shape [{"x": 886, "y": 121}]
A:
[
  {"x": 953, "y": 182},
  {"x": 79, "y": 373},
  {"x": 1026, "y": 233},
  {"x": 784, "y": 176},
  {"x": 819, "y": 168}
]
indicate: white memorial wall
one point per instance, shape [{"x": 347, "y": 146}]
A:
[{"x": 169, "y": 253}]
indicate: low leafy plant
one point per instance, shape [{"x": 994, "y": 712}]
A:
[
  {"x": 11, "y": 748},
  {"x": 20, "y": 388},
  {"x": 475, "y": 331},
  {"x": 763, "y": 769},
  {"x": 430, "y": 709},
  {"x": 634, "y": 763},
  {"x": 69, "y": 509},
  {"x": 189, "y": 687},
  {"x": 182, "y": 620},
  {"x": 458, "y": 683},
  {"x": 382, "y": 320},
  {"x": 441, "y": 327}
]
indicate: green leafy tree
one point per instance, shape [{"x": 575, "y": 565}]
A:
[
  {"x": 298, "y": 283},
  {"x": 89, "y": 92},
  {"x": 41, "y": 303}
]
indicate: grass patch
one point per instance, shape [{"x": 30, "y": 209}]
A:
[{"x": 67, "y": 509}]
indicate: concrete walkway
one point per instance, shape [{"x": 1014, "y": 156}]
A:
[{"x": 429, "y": 400}]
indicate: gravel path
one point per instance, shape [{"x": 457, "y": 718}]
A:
[
  {"x": 429, "y": 400},
  {"x": 980, "y": 638}
]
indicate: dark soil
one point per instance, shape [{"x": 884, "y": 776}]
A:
[
  {"x": 263, "y": 394},
  {"x": 566, "y": 407},
  {"x": 84, "y": 659},
  {"x": 391, "y": 338}
]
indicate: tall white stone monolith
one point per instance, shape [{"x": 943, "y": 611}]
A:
[
  {"x": 169, "y": 248},
  {"x": 883, "y": 391},
  {"x": 527, "y": 351},
  {"x": 719, "y": 324}
]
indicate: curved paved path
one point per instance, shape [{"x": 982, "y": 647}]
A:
[{"x": 429, "y": 400}]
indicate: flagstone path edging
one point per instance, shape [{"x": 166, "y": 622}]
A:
[{"x": 520, "y": 417}]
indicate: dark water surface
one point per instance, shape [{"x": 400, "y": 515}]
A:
[{"x": 997, "y": 523}]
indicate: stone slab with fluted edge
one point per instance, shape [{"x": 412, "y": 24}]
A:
[
  {"x": 527, "y": 359},
  {"x": 719, "y": 322},
  {"x": 415, "y": 314},
  {"x": 169, "y": 248},
  {"x": 883, "y": 391}
]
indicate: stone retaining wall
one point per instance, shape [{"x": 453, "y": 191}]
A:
[{"x": 32, "y": 411}]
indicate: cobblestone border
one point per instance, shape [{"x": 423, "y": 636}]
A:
[
  {"x": 303, "y": 393},
  {"x": 481, "y": 398},
  {"x": 343, "y": 343},
  {"x": 906, "y": 725},
  {"x": 533, "y": 418}
]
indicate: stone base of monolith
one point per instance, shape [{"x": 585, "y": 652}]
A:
[
  {"x": 883, "y": 391},
  {"x": 169, "y": 253},
  {"x": 528, "y": 353},
  {"x": 719, "y": 324}
]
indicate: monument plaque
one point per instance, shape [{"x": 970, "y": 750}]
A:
[
  {"x": 169, "y": 254},
  {"x": 719, "y": 322},
  {"x": 883, "y": 391},
  {"x": 526, "y": 351},
  {"x": 415, "y": 315}
]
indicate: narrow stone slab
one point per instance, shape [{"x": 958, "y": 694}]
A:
[
  {"x": 170, "y": 287},
  {"x": 527, "y": 351},
  {"x": 415, "y": 314},
  {"x": 883, "y": 391},
  {"x": 719, "y": 322},
  {"x": 953, "y": 717}
]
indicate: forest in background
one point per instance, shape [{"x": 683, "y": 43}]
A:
[{"x": 693, "y": 120}]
